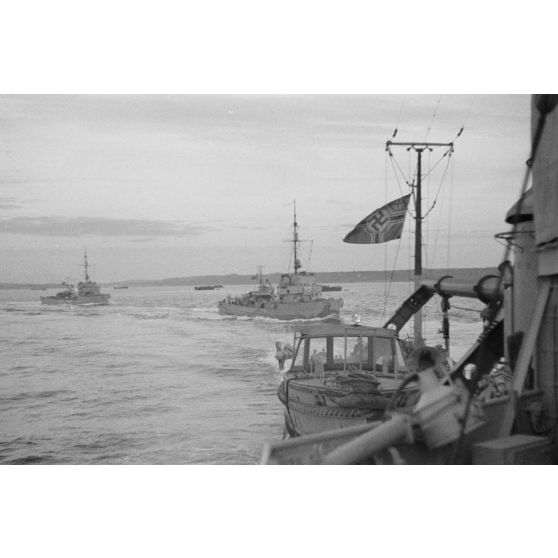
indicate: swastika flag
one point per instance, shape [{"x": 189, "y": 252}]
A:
[{"x": 382, "y": 225}]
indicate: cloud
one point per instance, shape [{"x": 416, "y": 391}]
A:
[
  {"x": 142, "y": 240},
  {"x": 9, "y": 203},
  {"x": 97, "y": 226},
  {"x": 14, "y": 181},
  {"x": 249, "y": 227}
]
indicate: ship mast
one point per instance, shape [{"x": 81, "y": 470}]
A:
[
  {"x": 260, "y": 276},
  {"x": 418, "y": 147},
  {"x": 296, "y": 241},
  {"x": 85, "y": 265}
]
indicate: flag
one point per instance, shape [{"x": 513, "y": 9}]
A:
[{"x": 382, "y": 225}]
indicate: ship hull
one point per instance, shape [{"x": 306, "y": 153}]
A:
[
  {"x": 312, "y": 407},
  {"x": 96, "y": 300},
  {"x": 305, "y": 420},
  {"x": 286, "y": 310}
]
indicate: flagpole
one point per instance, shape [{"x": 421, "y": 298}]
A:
[{"x": 419, "y": 147}]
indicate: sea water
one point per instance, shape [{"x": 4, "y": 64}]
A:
[{"x": 158, "y": 376}]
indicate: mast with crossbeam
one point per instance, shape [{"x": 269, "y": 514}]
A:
[{"x": 419, "y": 148}]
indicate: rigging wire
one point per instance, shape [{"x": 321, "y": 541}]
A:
[
  {"x": 309, "y": 255},
  {"x": 428, "y": 198},
  {"x": 390, "y": 283},
  {"x": 448, "y": 151},
  {"x": 394, "y": 162},
  {"x": 433, "y": 117},
  {"x": 398, "y": 120},
  {"x": 441, "y": 208},
  {"x": 385, "y": 243},
  {"x": 450, "y": 209},
  {"x": 410, "y": 181},
  {"x": 424, "y": 247},
  {"x": 439, "y": 187},
  {"x": 465, "y": 120},
  {"x": 410, "y": 267},
  {"x": 399, "y": 184}
]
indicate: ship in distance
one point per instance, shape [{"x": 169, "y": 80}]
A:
[
  {"x": 298, "y": 296},
  {"x": 86, "y": 292}
]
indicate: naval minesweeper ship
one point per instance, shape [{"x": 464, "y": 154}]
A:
[
  {"x": 87, "y": 292},
  {"x": 298, "y": 296}
]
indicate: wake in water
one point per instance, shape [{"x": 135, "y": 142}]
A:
[{"x": 157, "y": 376}]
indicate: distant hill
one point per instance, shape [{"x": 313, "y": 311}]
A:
[
  {"x": 34, "y": 286},
  {"x": 324, "y": 277}
]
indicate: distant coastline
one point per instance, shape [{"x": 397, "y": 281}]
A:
[{"x": 324, "y": 277}]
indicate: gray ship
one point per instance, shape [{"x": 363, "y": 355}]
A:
[
  {"x": 87, "y": 292},
  {"x": 298, "y": 296}
]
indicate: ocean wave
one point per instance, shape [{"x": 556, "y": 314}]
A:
[
  {"x": 22, "y": 396},
  {"x": 160, "y": 377},
  {"x": 30, "y": 460}
]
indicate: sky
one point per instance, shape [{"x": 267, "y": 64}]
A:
[{"x": 159, "y": 186}]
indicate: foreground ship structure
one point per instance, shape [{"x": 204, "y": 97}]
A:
[
  {"x": 298, "y": 296},
  {"x": 454, "y": 420},
  {"x": 86, "y": 293},
  {"x": 342, "y": 376},
  {"x": 357, "y": 388}
]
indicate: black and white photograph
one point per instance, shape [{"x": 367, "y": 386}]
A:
[
  {"x": 282, "y": 279},
  {"x": 235, "y": 237}
]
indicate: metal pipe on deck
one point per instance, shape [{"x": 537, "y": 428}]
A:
[
  {"x": 488, "y": 288},
  {"x": 396, "y": 429}
]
